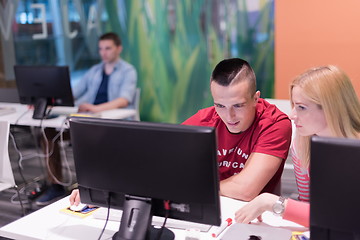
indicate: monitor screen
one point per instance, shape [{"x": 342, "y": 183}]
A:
[
  {"x": 169, "y": 166},
  {"x": 43, "y": 86},
  {"x": 334, "y": 188}
]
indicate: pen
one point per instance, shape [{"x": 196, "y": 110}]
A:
[{"x": 221, "y": 228}]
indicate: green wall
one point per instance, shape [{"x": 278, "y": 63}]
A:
[{"x": 174, "y": 45}]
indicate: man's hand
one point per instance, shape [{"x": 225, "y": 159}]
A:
[
  {"x": 87, "y": 107},
  {"x": 74, "y": 197}
]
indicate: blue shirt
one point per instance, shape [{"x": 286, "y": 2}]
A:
[{"x": 122, "y": 83}]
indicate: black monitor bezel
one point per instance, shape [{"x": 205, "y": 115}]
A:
[
  {"x": 207, "y": 210},
  {"x": 334, "y": 207},
  {"x": 43, "y": 86}
]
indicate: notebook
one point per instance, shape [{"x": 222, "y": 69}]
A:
[{"x": 241, "y": 231}]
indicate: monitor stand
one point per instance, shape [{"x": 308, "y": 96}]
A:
[
  {"x": 136, "y": 220},
  {"x": 153, "y": 232},
  {"x": 40, "y": 107}
]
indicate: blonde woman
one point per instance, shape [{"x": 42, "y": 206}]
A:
[{"x": 324, "y": 103}]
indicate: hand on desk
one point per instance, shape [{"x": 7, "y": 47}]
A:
[
  {"x": 74, "y": 197},
  {"x": 254, "y": 209},
  {"x": 87, "y": 107}
]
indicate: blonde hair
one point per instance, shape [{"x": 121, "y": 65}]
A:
[{"x": 331, "y": 89}]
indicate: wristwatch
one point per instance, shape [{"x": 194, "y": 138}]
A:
[{"x": 279, "y": 206}]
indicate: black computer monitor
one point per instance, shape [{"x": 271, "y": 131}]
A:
[
  {"x": 121, "y": 163},
  {"x": 43, "y": 86},
  {"x": 334, "y": 188}
]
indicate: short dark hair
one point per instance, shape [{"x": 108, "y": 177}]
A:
[
  {"x": 234, "y": 70},
  {"x": 111, "y": 36}
]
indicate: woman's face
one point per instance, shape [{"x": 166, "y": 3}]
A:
[{"x": 308, "y": 117}]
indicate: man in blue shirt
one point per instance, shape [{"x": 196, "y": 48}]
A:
[{"x": 108, "y": 85}]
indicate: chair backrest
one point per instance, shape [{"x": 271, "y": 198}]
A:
[
  {"x": 6, "y": 174},
  {"x": 137, "y": 104}
]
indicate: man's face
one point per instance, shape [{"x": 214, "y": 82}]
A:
[
  {"x": 108, "y": 51},
  {"x": 235, "y": 105}
]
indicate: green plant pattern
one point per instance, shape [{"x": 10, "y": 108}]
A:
[{"x": 175, "y": 44}]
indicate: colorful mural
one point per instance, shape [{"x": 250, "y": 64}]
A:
[{"x": 174, "y": 44}]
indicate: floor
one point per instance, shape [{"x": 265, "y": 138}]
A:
[{"x": 33, "y": 175}]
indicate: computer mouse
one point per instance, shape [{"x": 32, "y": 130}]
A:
[{"x": 79, "y": 207}]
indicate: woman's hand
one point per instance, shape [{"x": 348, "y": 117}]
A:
[{"x": 254, "y": 209}]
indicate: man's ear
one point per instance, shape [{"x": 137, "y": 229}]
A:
[{"x": 256, "y": 96}]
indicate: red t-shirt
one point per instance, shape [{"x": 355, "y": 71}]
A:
[{"x": 270, "y": 134}]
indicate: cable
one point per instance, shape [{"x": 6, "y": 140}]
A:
[
  {"x": 167, "y": 210},
  {"x": 107, "y": 216},
  {"x": 22, "y": 191},
  {"x": 26, "y": 184},
  {"x": 20, "y": 156},
  {"x": 17, "y": 120},
  {"x": 18, "y": 194},
  {"x": 48, "y": 154},
  {"x": 21, "y": 203}
]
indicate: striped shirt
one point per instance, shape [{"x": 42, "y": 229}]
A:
[{"x": 302, "y": 177}]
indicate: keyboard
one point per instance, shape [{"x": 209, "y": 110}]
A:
[{"x": 115, "y": 215}]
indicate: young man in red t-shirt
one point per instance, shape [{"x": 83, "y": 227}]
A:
[{"x": 253, "y": 135}]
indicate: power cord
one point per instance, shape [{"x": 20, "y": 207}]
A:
[
  {"x": 21, "y": 203},
  {"x": 47, "y": 156},
  {"x": 107, "y": 216},
  {"x": 167, "y": 210},
  {"x": 20, "y": 156},
  {"x": 21, "y": 116}
]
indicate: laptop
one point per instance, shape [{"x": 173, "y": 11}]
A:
[{"x": 240, "y": 231}]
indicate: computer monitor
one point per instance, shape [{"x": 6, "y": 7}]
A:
[
  {"x": 121, "y": 163},
  {"x": 334, "y": 188},
  {"x": 43, "y": 86}
]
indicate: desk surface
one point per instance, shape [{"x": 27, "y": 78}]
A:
[
  {"x": 50, "y": 223},
  {"x": 23, "y": 116}
]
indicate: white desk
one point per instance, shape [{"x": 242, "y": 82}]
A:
[
  {"x": 50, "y": 223},
  {"x": 63, "y": 112}
]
